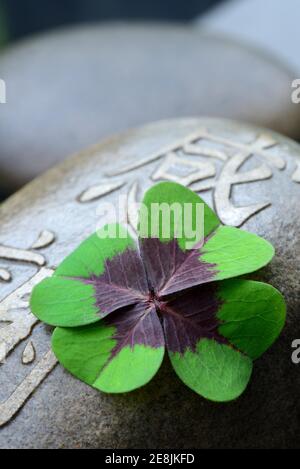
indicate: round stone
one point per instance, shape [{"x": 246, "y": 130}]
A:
[
  {"x": 70, "y": 88},
  {"x": 254, "y": 184}
]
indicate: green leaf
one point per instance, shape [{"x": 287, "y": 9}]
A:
[
  {"x": 215, "y": 371},
  {"x": 235, "y": 252},
  {"x": 212, "y": 330},
  {"x": 91, "y": 255},
  {"x": 253, "y": 315},
  {"x": 103, "y": 274},
  {"x": 172, "y": 266},
  {"x": 64, "y": 302},
  {"x": 176, "y": 196},
  {"x": 110, "y": 356}
]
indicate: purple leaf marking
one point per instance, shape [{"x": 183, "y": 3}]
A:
[
  {"x": 138, "y": 324},
  {"x": 144, "y": 306},
  {"x": 190, "y": 317},
  {"x": 123, "y": 283},
  {"x": 170, "y": 269},
  {"x": 184, "y": 319}
]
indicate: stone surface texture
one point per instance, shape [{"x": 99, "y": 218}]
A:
[
  {"x": 255, "y": 186},
  {"x": 72, "y": 87}
]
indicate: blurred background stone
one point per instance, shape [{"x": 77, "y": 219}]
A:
[
  {"x": 269, "y": 24},
  {"x": 261, "y": 194},
  {"x": 69, "y": 88}
]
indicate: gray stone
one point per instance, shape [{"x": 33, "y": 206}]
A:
[
  {"x": 272, "y": 25},
  {"x": 69, "y": 88},
  {"x": 54, "y": 213}
]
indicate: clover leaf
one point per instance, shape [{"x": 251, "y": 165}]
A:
[{"x": 118, "y": 306}]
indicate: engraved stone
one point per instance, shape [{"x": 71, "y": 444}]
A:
[
  {"x": 45, "y": 239},
  {"x": 251, "y": 184},
  {"x": 296, "y": 174},
  {"x": 28, "y": 354},
  {"x": 120, "y": 76}
]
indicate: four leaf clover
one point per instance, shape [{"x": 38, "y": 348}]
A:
[{"x": 118, "y": 306}]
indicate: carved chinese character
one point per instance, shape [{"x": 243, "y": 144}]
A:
[
  {"x": 44, "y": 239},
  {"x": 191, "y": 170},
  {"x": 17, "y": 323}
]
